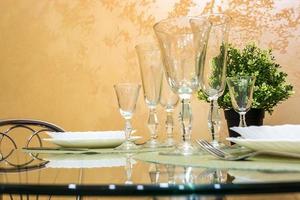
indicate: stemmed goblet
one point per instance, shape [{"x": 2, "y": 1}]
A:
[
  {"x": 241, "y": 92},
  {"x": 151, "y": 73},
  {"x": 127, "y": 95},
  {"x": 214, "y": 70},
  {"x": 168, "y": 100},
  {"x": 183, "y": 41}
]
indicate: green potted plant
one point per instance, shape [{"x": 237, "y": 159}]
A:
[{"x": 270, "y": 88}]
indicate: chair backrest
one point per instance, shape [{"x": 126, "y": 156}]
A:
[
  {"x": 31, "y": 122},
  {"x": 10, "y": 130},
  {"x": 35, "y": 127}
]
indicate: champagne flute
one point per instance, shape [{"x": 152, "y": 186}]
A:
[
  {"x": 214, "y": 70},
  {"x": 241, "y": 93},
  {"x": 182, "y": 41},
  {"x": 127, "y": 95},
  {"x": 151, "y": 73}
]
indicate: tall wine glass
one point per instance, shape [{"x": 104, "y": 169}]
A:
[
  {"x": 214, "y": 70},
  {"x": 183, "y": 41},
  {"x": 151, "y": 73},
  {"x": 127, "y": 95},
  {"x": 241, "y": 92},
  {"x": 168, "y": 100}
]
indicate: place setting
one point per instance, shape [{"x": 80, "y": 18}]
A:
[
  {"x": 88, "y": 142},
  {"x": 280, "y": 140},
  {"x": 213, "y": 81},
  {"x": 91, "y": 142},
  {"x": 81, "y": 142},
  {"x": 169, "y": 76},
  {"x": 88, "y": 149},
  {"x": 271, "y": 148}
]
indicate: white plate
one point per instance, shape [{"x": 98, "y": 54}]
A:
[
  {"x": 87, "y": 135},
  {"x": 95, "y": 139},
  {"x": 87, "y": 143},
  {"x": 289, "y": 146},
  {"x": 279, "y": 132}
]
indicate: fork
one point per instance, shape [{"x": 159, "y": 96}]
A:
[{"x": 218, "y": 153}]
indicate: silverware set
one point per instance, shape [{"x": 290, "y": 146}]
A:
[{"x": 224, "y": 155}]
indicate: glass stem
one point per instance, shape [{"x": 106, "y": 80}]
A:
[
  {"x": 154, "y": 173},
  {"x": 128, "y": 129},
  {"x": 214, "y": 121},
  {"x": 153, "y": 123},
  {"x": 242, "y": 119},
  {"x": 128, "y": 170},
  {"x": 186, "y": 119},
  {"x": 171, "y": 173},
  {"x": 169, "y": 124}
]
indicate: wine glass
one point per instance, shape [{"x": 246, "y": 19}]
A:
[
  {"x": 214, "y": 70},
  {"x": 127, "y": 95},
  {"x": 241, "y": 92},
  {"x": 168, "y": 100},
  {"x": 151, "y": 73},
  {"x": 182, "y": 41}
]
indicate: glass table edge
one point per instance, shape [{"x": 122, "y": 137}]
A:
[{"x": 162, "y": 189}]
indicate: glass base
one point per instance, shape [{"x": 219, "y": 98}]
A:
[
  {"x": 128, "y": 182},
  {"x": 170, "y": 142},
  {"x": 152, "y": 143},
  {"x": 217, "y": 144},
  {"x": 183, "y": 149},
  {"x": 127, "y": 145}
]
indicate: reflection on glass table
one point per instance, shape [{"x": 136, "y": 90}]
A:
[
  {"x": 160, "y": 173},
  {"x": 124, "y": 175},
  {"x": 18, "y": 161},
  {"x": 99, "y": 172},
  {"x": 172, "y": 174}
]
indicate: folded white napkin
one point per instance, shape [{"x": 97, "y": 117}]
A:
[{"x": 278, "y": 132}]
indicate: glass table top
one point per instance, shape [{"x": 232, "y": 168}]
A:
[{"x": 124, "y": 175}]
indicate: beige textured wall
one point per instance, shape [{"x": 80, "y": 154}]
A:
[{"x": 60, "y": 58}]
